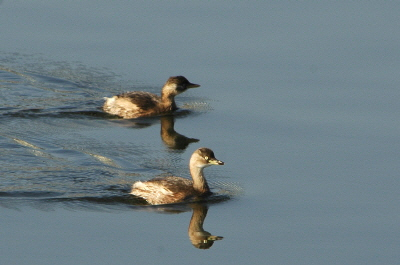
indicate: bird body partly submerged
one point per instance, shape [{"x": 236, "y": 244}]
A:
[
  {"x": 141, "y": 104},
  {"x": 176, "y": 189},
  {"x": 165, "y": 190}
]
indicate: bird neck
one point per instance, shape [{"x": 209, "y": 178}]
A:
[
  {"x": 199, "y": 182},
  {"x": 167, "y": 126},
  {"x": 197, "y": 220},
  {"x": 168, "y": 99}
]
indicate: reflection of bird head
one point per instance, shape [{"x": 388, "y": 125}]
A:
[
  {"x": 200, "y": 239},
  {"x": 170, "y": 137},
  {"x": 203, "y": 240}
]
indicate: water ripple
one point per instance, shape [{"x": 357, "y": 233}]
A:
[{"x": 57, "y": 147}]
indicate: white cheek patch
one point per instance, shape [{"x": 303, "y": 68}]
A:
[{"x": 170, "y": 89}]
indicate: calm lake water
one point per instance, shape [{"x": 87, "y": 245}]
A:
[{"x": 300, "y": 100}]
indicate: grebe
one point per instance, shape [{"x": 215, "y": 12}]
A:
[
  {"x": 175, "y": 189},
  {"x": 137, "y": 104}
]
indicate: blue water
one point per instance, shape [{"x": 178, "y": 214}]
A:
[{"x": 300, "y": 100}]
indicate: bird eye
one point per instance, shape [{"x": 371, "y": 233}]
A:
[{"x": 206, "y": 158}]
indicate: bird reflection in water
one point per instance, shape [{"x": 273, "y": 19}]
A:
[
  {"x": 170, "y": 137},
  {"x": 200, "y": 239}
]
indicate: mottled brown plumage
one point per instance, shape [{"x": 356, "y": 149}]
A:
[
  {"x": 175, "y": 189},
  {"x": 143, "y": 100},
  {"x": 141, "y": 104}
]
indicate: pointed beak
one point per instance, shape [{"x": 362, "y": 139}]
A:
[
  {"x": 214, "y": 238},
  {"x": 214, "y": 161},
  {"x": 190, "y": 85}
]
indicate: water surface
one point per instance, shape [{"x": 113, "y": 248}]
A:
[{"x": 298, "y": 99}]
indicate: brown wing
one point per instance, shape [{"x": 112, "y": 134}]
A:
[
  {"x": 164, "y": 190},
  {"x": 143, "y": 100},
  {"x": 175, "y": 184}
]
